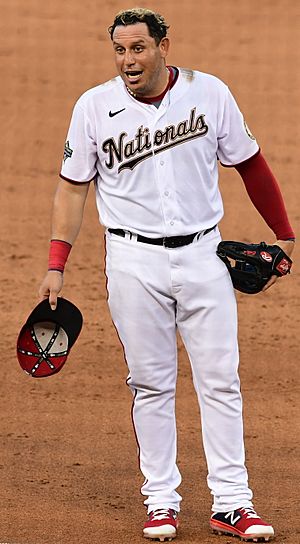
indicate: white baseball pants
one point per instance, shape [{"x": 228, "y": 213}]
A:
[{"x": 152, "y": 291}]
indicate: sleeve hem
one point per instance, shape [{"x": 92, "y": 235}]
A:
[
  {"x": 242, "y": 162},
  {"x": 76, "y": 182}
]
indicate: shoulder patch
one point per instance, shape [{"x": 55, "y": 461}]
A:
[
  {"x": 247, "y": 129},
  {"x": 68, "y": 152}
]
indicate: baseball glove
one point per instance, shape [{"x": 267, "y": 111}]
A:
[{"x": 252, "y": 265}]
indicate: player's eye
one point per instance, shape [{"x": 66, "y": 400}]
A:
[
  {"x": 138, "y": 49},
  {"x": 119, "y": 50}
]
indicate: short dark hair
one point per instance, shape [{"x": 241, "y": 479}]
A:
[{"x": 155, "y": 22}]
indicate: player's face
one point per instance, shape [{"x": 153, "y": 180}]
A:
[{"x": 139, "y": 60}]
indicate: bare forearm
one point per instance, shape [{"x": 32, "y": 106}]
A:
[
  {"x": 68, "y": 210},
  {"x": 67, "y": 216}
]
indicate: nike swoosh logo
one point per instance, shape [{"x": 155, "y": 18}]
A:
[{"x": 113, "y": 113}]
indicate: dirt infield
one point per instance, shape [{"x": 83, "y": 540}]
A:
[{"x": 68, "y": 452}]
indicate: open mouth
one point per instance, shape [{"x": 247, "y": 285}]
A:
[{"x": 134, "y": 75}]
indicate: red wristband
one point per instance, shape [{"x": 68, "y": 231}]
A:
[{"x": 58, "y": 254}]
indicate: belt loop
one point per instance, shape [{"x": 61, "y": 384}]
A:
[
  {"x": 130, "y": 235},
  {"x": 203, "y": 232}
]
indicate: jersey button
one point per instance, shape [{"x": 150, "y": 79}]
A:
[
  {"x": 166, "y": 193},
  {"x": 171, "y": 223},
  {"x": 162, "y": 163}
]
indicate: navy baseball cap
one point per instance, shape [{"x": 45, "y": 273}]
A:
[{"x": 46, "y": 338}]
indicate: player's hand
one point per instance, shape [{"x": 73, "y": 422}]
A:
[
  {"x": 288, "y": 248},
  {"x": 51, "y": 287}
]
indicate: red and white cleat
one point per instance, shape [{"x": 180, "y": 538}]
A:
[
  {"x": 243, "y": 522},
  {"x": 162, "y": 524}
]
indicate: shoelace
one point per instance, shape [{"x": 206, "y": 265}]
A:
[
  {"x": 250, "y": 513},
  {"x": 163, "y": 513}
]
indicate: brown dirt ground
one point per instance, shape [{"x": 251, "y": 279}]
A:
[{"x": 68, "y": 453}]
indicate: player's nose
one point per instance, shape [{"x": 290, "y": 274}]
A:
[{"x": 129, "y": 59}]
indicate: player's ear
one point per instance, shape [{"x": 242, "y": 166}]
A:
[{"x": 164, "y": 45}]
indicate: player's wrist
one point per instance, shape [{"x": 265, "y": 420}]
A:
[
  {"x": 55, "y": 270},
  {"x": 58, "y": 255}
]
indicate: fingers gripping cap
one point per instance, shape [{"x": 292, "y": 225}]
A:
[{"x": 46, "y": 338}]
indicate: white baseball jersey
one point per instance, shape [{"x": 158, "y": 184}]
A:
[{"x": 156, "y": 169}]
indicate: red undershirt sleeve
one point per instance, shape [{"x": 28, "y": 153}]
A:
[{"x": 265, "y": 194}]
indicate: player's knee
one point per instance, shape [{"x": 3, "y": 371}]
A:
[{"x": 151, "y": 387}]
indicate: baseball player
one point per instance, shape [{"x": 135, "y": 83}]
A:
[{"x": 151, "y": 139}]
